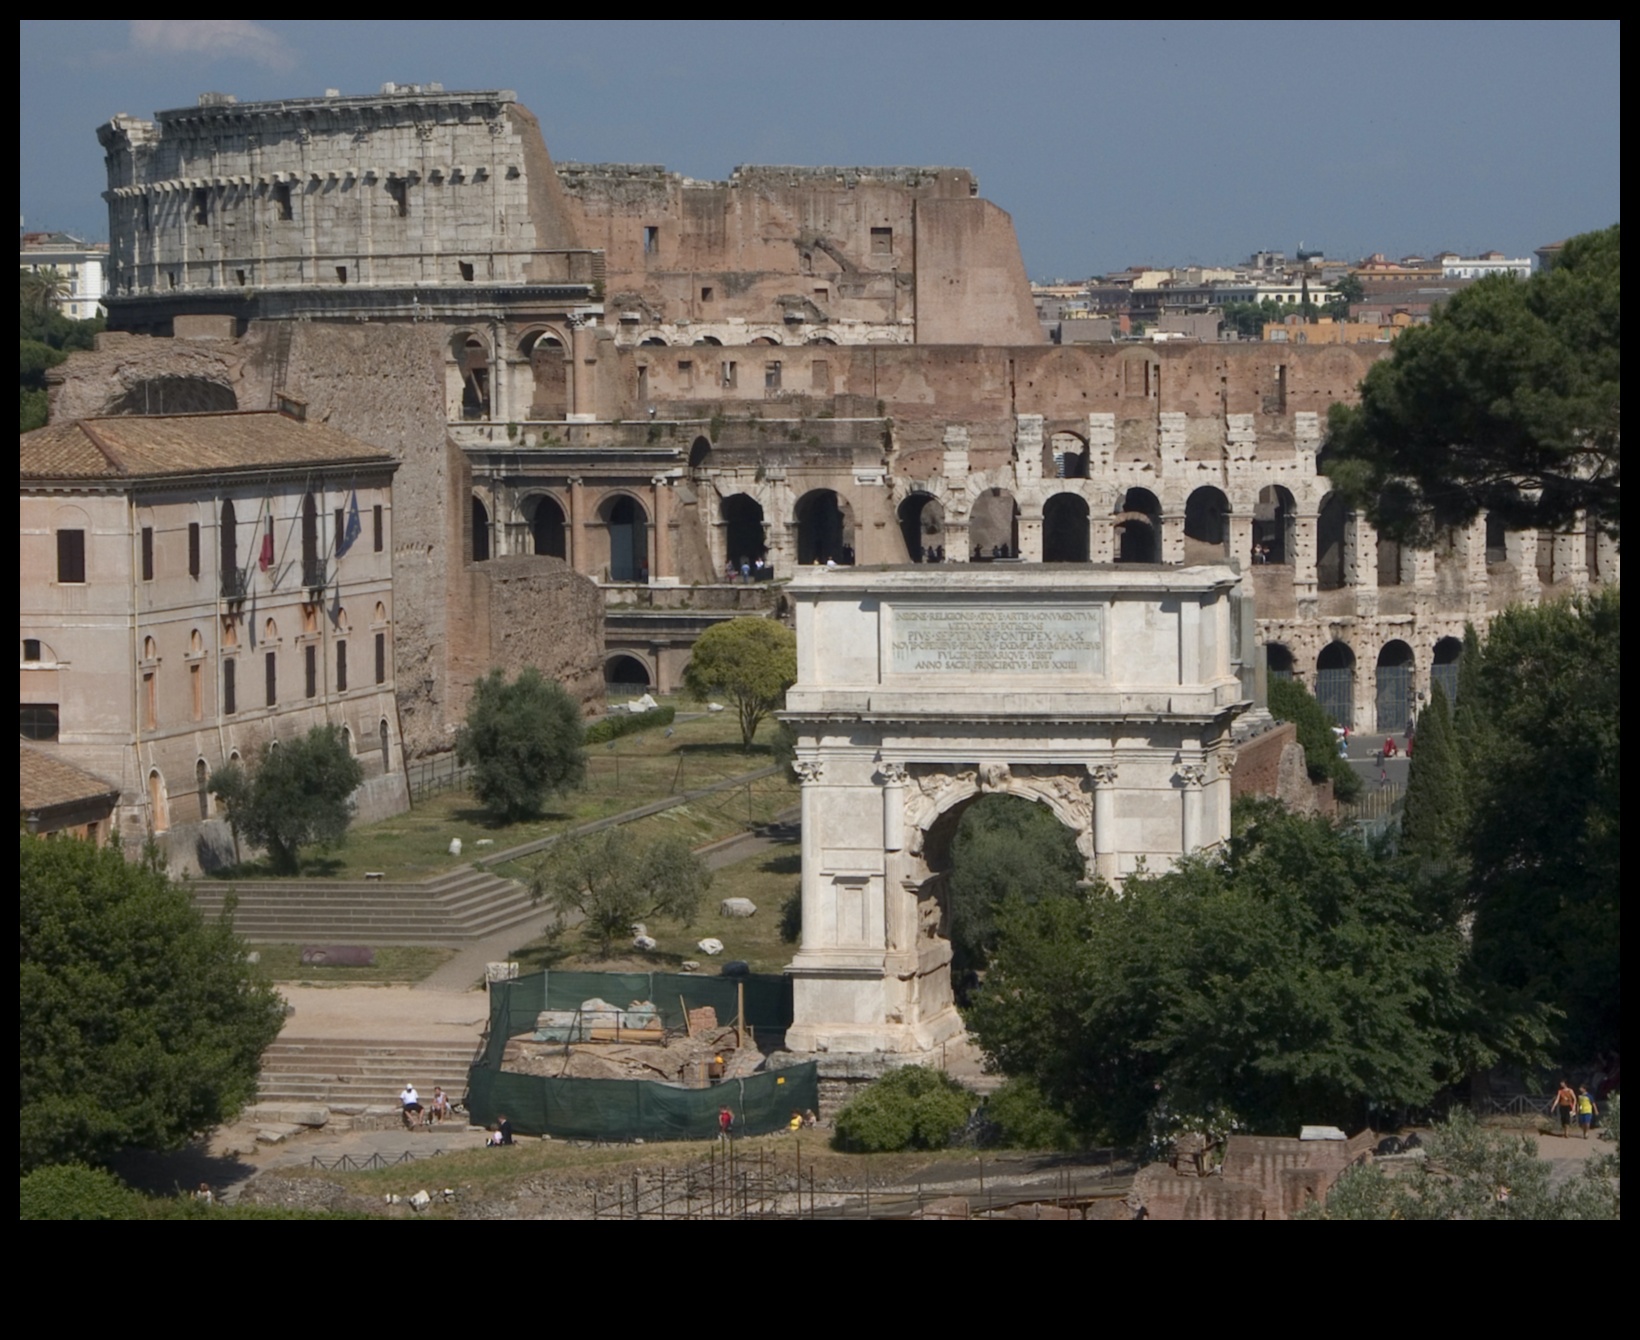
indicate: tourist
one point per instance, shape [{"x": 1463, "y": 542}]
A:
[
  {"x": 726, "y": 1123},
  {"x": 1586, "y": 1109},
  {"x": 1564, "y": 1104},
  {"x": 441, "y": 1106},
  {"x": 410, "y": 1106},
  {"x": 502, "y": 1134}
]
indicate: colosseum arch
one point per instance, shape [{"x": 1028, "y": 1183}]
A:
[
  {"x": 1448, "y": 655},
  {"x": 548, "y": 526},
  {"x": 1067, "y": 456},
  {"x": 824, "y": 521},
  {"x": 922, "y": 526},
  {"x": 1275, "y": 518},
  {"x": 1335, "y": 682},
  {"x": 1396, "y": 675},
  {"x": 743, "y": 534},
  {"x": 1332, "y": 543},
  {"x": 468, "y": 376},
  {"x": 1206, "y": 525},
  {"x": 174, "y": 395},
  {"x": 1138, "y": 522},
  {"x": 1066, "y": 529},
  {"x": 993, "y": 524},
  {"x": 543, "y": 350},
  {"x": 625, "y": 522},
  {"x": 628, "y": 674}
]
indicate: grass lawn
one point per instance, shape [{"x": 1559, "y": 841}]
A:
[
  {"x": 768, "y": 880},
  {"x": 394, "y": 963},
  {"x": 623, "y": 775}
]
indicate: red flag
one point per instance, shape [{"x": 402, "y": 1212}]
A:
[{"x": 266, "y": 560}]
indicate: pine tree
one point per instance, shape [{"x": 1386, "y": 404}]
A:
[
  {"x": 1433, "y": 824},
  {"x": 1469, "y": 713}
]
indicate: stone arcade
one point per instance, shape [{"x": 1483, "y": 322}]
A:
[{"x": 1105, "y": 693}]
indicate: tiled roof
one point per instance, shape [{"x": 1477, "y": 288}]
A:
[
  {"x": 45, "y": 780},
  {"x": 140, "y": 446}
]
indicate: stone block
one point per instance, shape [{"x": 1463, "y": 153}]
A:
[{"x": 737, "y": 907}]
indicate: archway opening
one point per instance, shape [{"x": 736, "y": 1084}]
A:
[
  {"x": 1206, "y": 526},
  {"x": 699, "y": 450},
  {"x": 1139, "y": 528},
  {"x": 1273, "y": 523},
  {"x": 922, "y": 527},
  {"x": 981, "y": 852},
  {"x": 547, "y": 526},
  {"x": 993, "y": 525},
  {"x": 473, "y": 359},
  {"x": 825, "y": 529},
  {"x": 481, "y": 531},
  {"x": 1068, "y": 456},
  {"x": 1444, "y": 672},
  {"x": 743, "y": 529},
  {"x": 628, "y": 526},
  {"x": 1065, "y": 519},
  {"x": 1394, "y": 705},
  {"x": 626, "y": 677},
  {"x": 1335, "y": 682},
  {"x": 549, "y": 375},
  {"x": 1278, "y": 661},
  {"x": 1330, "y": 527}
]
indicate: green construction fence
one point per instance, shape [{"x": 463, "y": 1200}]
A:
[{"x": 615, "y": 1109}]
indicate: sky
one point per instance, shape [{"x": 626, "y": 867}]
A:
[{"x": 1110, "y": 143}]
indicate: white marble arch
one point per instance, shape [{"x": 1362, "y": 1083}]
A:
[{"x": 1105, "y": 693}]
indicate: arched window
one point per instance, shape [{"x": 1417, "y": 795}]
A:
[
  {"x": 825, "y": 529},
  {"x": 1206, "y": 526},
  {"x": 546, "y": 520},
  {"x": 202, "y": 782},
  {"x": 1139, "y": 528},
  {"x": 1335, "y": 682},
  {"x": 159, "y": 809},
  {"x": 922, "y": 527},
  {"x": 1444, "y": 672},
  {"x": 481, "y": 531},
  {"x": 1273, "y": 520},
  {"x": 1394, "y": 706},
  {"x": 1065, "y": 520},
  {"x": 743, "y": 529},
  {"x": 628, "y": 528},
  {"x": 386, "y": 747}
]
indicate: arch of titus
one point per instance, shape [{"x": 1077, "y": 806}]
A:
[{"x": 1106, "y": 693}]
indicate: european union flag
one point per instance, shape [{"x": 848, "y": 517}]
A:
[{"x": 352, "y": 530}]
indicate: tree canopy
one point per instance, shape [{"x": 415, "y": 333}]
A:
[
  {"x": 1544, "y": 831},
  {"x": 752, "y": 662},
  {"x": 608, "y": 880},
  {"x": 44, "y": 338},
  {"x": 1302, "y": 977},
  {"x": 140, "y": 1022},
  {"x": 1510, "y": 401},
  {"x": 299, "y": 794},
  {"x": 1291, "y": 701},
  {"x": 525, "y": 742}
]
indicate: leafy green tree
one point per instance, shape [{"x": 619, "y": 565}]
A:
[
  {"x": 1510, "y": 401},
  {"x": 45, "y": 336},
  {"x": 140, "y": 1023},
  {"x": 231, "y": 785},
  {"x": 1545, "y": 839},
  {"x": 1005, "y": 846},
  {"x": 525, "y": 742},
  {"x": 1475, "y": 1172},
  {"x": 913, "y": 1107},
  {"x": 606, "y": 881},
  {"x": 1291, "y": 701},
  {"x": 752, "y": 662},
  {"x": 301, "y": 795},
  {"x": 1436, "y": 809},
  {"x": 1302, "y": 977},
  {"x": 1026, "y": 1120}
]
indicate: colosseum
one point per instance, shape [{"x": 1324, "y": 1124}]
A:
[{"x": 656, "y": 381}]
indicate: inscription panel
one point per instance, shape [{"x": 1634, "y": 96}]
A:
[{"x": 974, "y": 639}]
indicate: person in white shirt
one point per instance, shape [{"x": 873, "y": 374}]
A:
[{"x": 410, "y": 1105}]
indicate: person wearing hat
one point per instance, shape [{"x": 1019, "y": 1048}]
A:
[{"x": 410, "y": 1105}]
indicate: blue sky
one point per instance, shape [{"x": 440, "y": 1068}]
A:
[{"x": 1110, "y": 143}]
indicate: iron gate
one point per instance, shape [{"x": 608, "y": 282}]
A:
[
  {"x": 1335, "y": 691},
  {"x": 1394, "y": 697}
]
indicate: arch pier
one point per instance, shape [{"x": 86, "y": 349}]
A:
[{"x": 1105, "y": 693}]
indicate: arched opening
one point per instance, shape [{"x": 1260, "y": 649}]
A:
[
  {"x": 710, "y": 340},
  {"x": 1206, "y": 526},
  {"x": 481, "y": 531},
  {"x": 1330, "y": 527},
  {"x": 472, "y": 357},
  {"x": 547, "y": 526},
  {"x": 743, "y": 539},
  {"x": 1394, "y": 705},
  {"x": 174, "y": 395},
  {"x": 1335, "y": 682},
  {"x": 1068, "y": 456},
  {"x": 821, "y": 339},
  {"x": 628, "y": 526},
  {"x": 922, "y": 528},
  {"x": 385, "y": 744},
  {"x": 1497, "y": 540},
  {"x": 1065, "y": 519},
  {"x": 159, "y": 809},
  {"x": 549, "y": 375},
  {"x": 993, "y": 525},
  {"x": 765, "y": 340},
  {"x": 1278, "y": 661},
  {"x": 1273, "y": 525},
  {"x": 626, "y": 677},
  {"x": 202, "y": 783},
  {"x": 1444, "y": 672},
  {"x": 654, "y": 341},
  {"x": 233, "y": 585},
  {"x": 980, "y": 853},
  {"x": 1139, "y": 528},
  {"x": 700, "y": 450},
  {"x": 825, "y": 529}
]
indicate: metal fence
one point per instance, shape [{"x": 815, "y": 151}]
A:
[
  {"x": 374, "y": 1163},
  {"x": 441, "y": 772}
]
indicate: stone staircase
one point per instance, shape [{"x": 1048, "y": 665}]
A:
[
  {"x": 359, "y": 1072},
  {"x": 464, "y": 904}
]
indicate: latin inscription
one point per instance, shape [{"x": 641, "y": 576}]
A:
[{"x": 997, "y": 640}]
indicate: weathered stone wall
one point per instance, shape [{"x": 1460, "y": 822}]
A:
[{"x": 510, "y": 613}]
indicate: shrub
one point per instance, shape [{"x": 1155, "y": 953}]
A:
[
  {"x": 74, "y": 1191},
  {"x": 791, "y": 917},
  {"x": 618, "y": 724},
  {"x": 1025, "y": 1120},
  {"x": 1291, "y": 701},
  {"x": 909, "y": 1108}
]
